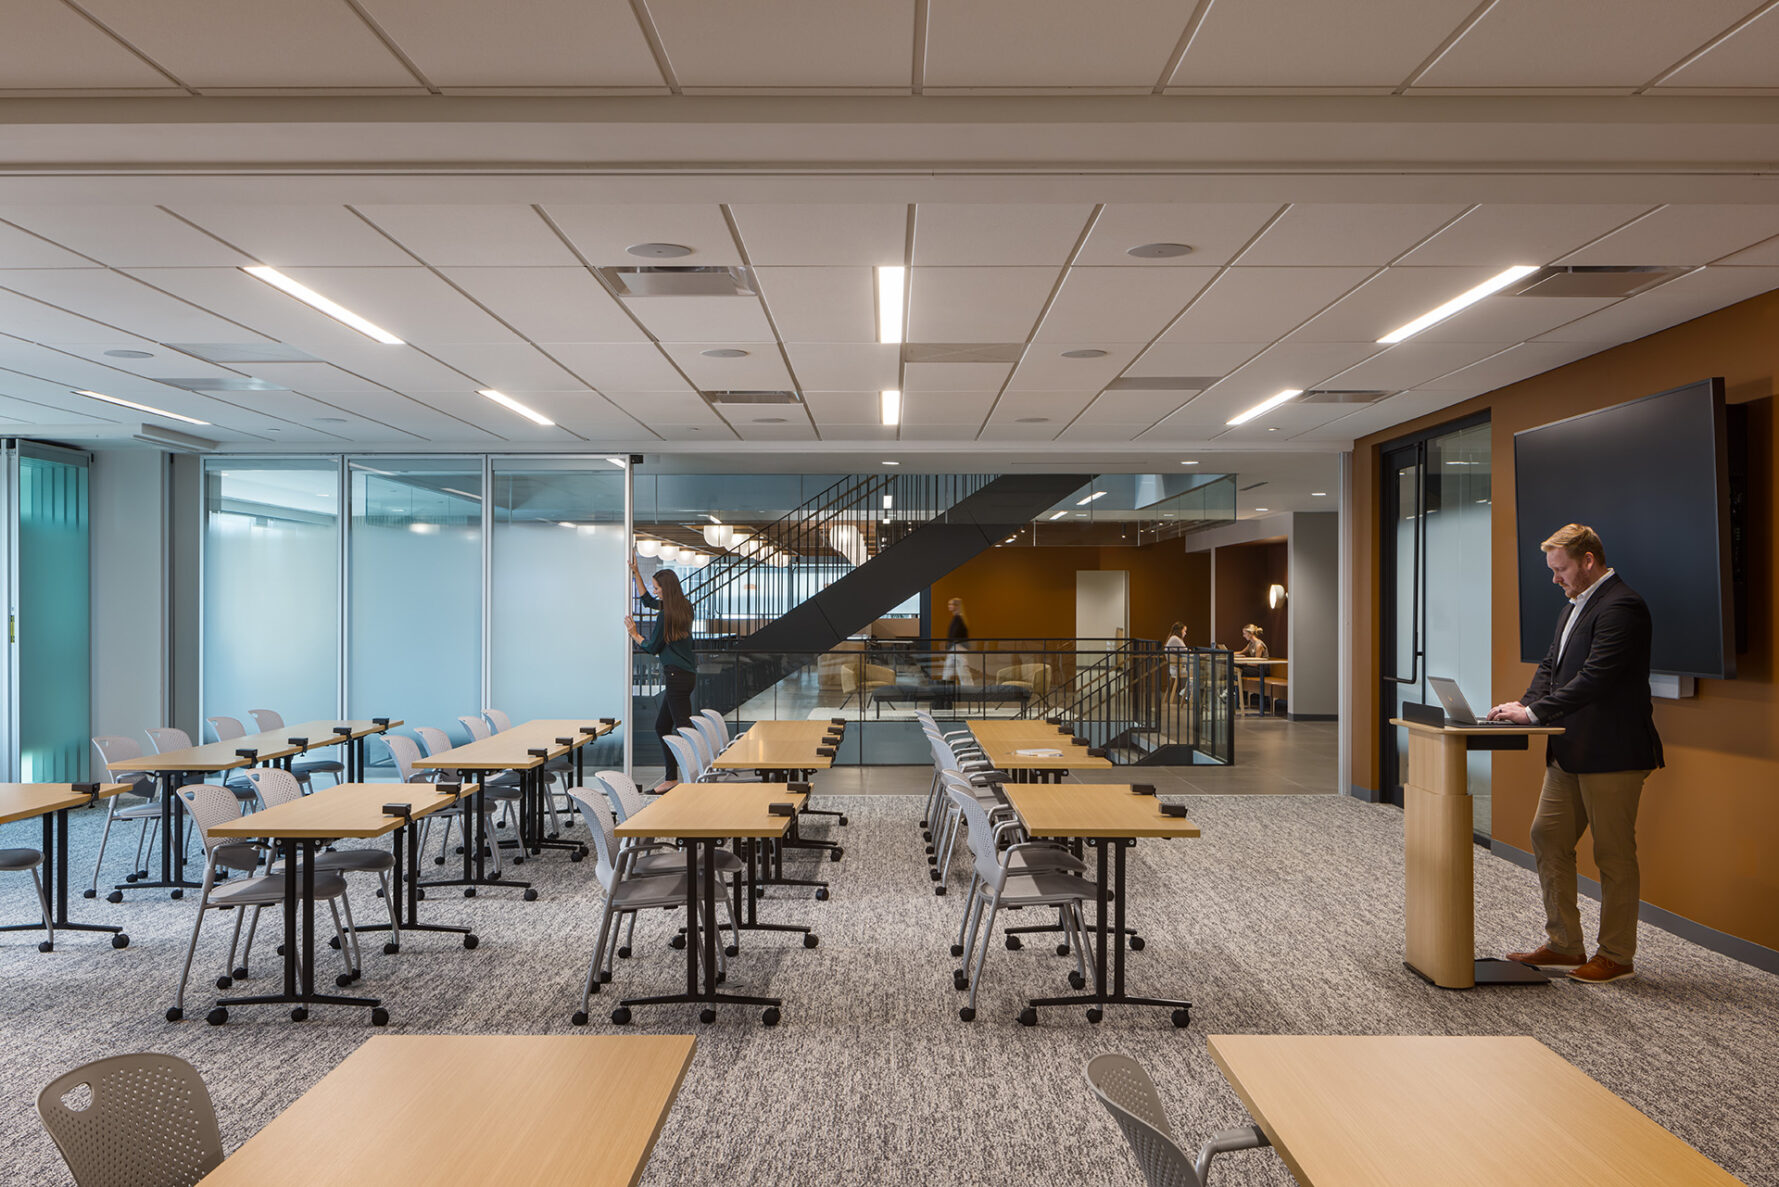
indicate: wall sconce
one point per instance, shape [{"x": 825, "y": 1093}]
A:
[{"x": 1275, "y": 596}]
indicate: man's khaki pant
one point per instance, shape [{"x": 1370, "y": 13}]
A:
[{"x": 1568, "y": 804}]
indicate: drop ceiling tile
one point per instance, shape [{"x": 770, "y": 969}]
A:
[
  {"x": 1274, "y": 430},
  {"x": 1699, "y": 292},
  {"x": 117, "y": 300},
  {"x": 1290, "y": 364},
  {"x": 1193, "y": 358},
  {"x": 411, "y": 303},
  {"x": 401, "y": 368},
  {"x": 549, "y": 304},
  {"x": 1136, "y": 408},
  {"x": 821, "y": 304},
  {"x": 954, "y": 235},
  {"x": 317, "y": 415},
  {"x": 846, "y": 366},
  {"x": 21, "y": 249},
  {"x": 1505, "y": 320},
  {"x": 850, "y": 408},
  {"x": 738, "y": 320},
  {"x": 959, "y": 434},
  {"x": 823, "y": 235},
  {"x": 520, "y": 43},
  {"x": 1116, "y": 305},
  {"x": 1398, "y": 409},
  {"x": 473, "y": 236},
  {"x": 53, "y": 47},
  {"x": 1589, "y": 43},
  {"x": 1240, "y": 45},
  {"x": 508, "y": 366},
  {"x": 493, "y": 419},
  {"x": 1050, "y": 44},
  {"x": 871, "y": 434},
  {"x": 1744, "y": 59},
  {"x": 954, "y": 377},
  {"x": 786, "y": 44},
  {"x": 1501, "y": 234},
  {"x": 1088, "y": 429},
  {"x": 26, "y": 317},
  {"x": 762, "y": 370},
  {"x": 603, "y": 233},
  {"x": 1060, "y": 406},
  {"x": 255, "y": 43},
  {"x": 577, "y": 410},
  {"x": 1214, "y": 230},
  {"x": 1409, "y": 364},
  {"x": 1261, "y": 304},
  {"x": 1389, "y": 299},
  {"x": 945, "y": 408},
  {"x": 124, "y": 236},
  {"x": 1045, "y": 369},
  {"x": 1007, "y": 430},
  {"x": 617, "y": 366},
  {"x": 1341, "y": 234},
  {"x": 1511, "y": 366},
  {"x": 797, "y": 427},
  {"x": 162, "y": 362},
  {"x": 1766, "y": 253},
  {"x": 976, "y": 304},
  {"x": 658, "y": 408},
  {"x": 290, "y": 236},
  {"x": 311, "y": 378},
  {"x": 1696, "y": 234}
]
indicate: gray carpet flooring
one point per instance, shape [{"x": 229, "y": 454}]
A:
[{"x": 1285, "y": 917}]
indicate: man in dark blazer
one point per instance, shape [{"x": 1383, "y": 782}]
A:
[{"x": 1594, "y": 683}]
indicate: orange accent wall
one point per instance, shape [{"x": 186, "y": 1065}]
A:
[
  {"x": 1709, "y": 821},
  {"x": 1030, "y": 592}
]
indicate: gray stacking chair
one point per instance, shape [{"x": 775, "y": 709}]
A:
[
  {"x": 505, "y": 786},
  {"x": 1129, "y": 1095},
  {"x": 112, "y": 749},
  {"x": 627, "y": 800},
  {"x": 18, "y": 861},
  {"x": 148, "y": 1122},
  {"x": 981, "y": 779},
  {"x": 715, "y": 729},
  {"x": 1043, "y": 856},
  {"x": 685, "y": 756},
  {"x": 267, "y": 720},
  {"x": 227, "y": 729},
  {"x": 277, "y": 786},
  {"x": 493, "y": 796}
]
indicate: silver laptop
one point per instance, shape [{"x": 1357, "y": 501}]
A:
[{"x": 1457, "y": 709}]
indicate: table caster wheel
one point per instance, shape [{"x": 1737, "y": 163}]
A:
[
  {"x": 575, "y": 855},
  {"x": 279, "y": 950},
  {"x": 120, "y": 940},
  {"x": 835, "y": 854},
  {"x": 957, "y": 949},
  {"x": 843, "y": 822},
  {"x": 959, "y": 981},
  {"x": 621, "y": 1016},
  {"x": 438, "y": 861},
  {"x": 470, "y": 940},
  {"x": 1077, "y": 981},
  {"x": 239, "y": 974},
  {"x": 495, "y": 875},
  {"x": 89, "y": 892},
  {"x": 334, "y": 943},
  {"x": 1028, "y": 1017},
  {"x": 732, "y": 950},
  {"x": 518, "y": 859},
  {"x": 967, "y": 1013},
  {"x": 1137, "y": 944},
  {"x": 1062, "y": 949},
  {"x": 707, "y": 1015},
  {"x": 624, "y": 952},
  {"x": 1182, "y": 1017},
  {"x": 583, "y": 851},
  {"x": 391, "y": 948},
  {"x": 45, "y": 946},
  {"x": 299, "y": 1013},
  {"x": 810, "y": 940},
  {"x": 530, "y": 894},
  {"x": 677, "y": 942},
  {"x": 379, "y": 1017},
  {"x": 759, "y": 892},
  {"x": 770, "y": 1016},
  {"x": 225, "y": 983},
  {"x": 821, "y": 894},
  {"x": 939, "y": 890},
  {"x": 1014, "y": 943},
  {"x": 344, "y": 980},
  {"x": 131, "y": 877},
  {"x": 116, "y": 896},
  {"x": 722, "y": 977},
  {"x": 469, "y": 892},
  {"x": 217, "y": 1017},
  {"x": 177, "y": 894},
  {"x": 578, "y": 1018},
  {"x": 419, "y": 895},
  {"x": 925, "y": 834},
  {"x": 1094, "y": 1014},
  {"x": 174, "y": 1014}
]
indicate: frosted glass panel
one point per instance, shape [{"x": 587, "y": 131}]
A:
[
  {"x": 1458, "y": 567},
  {"x": 415, "y": 602},
  {"x": 53, "y": 637},
  {"x": 271, "y": 589}
]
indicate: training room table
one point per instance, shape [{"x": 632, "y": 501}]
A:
[
  {"x": 1421, "y": 1111},
  {"x": 1107, "y": 816},
  {"x": 51, "y": 801},
  {"x": 783, "y": 749},
  {"x": 299, "y": 827},
  {"x": 546, "y": 1110},
  {"x": 702, "y": 814},
  {"x": 1002, "y": 739}
]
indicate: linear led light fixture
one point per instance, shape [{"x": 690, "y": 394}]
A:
[
  {"x": 892, "y": 408},
  {"x": 1098, "y": 494},
  {"x": 315, "y": 300},
  {"x": 892, "y": 286},
  {"x": 1266, "y": 405},
  {"x": 889, "y": 501},
  {"x": 1058, "y": 515},
  {"x": 1463, "y": 300},
  {"x": 506, "y": 401},
  {"x": 121, "y": 403}
]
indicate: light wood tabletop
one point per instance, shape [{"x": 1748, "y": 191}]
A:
[
  {"x": 1401, "y": 1110},
  {"x": 271, "y": 745},
  {"x": 510, "y": 749},
  {"x": 1002, "y": 739},
  {"x": 21, "y": 801},
  {"x": 715, "y": 810},
  {"x": 1092, "y": 810},
  {"x": 779, "y": 745},
  {"x": 346, "y": 810},
  {"x": 582, "y": 1110},
  {"x": 1462, "y": 731}
]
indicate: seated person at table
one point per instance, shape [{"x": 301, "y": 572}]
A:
[{"x": 1255, "y": 646}]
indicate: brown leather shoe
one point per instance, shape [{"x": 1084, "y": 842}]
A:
[
  {"x": 1600, "y": 970},
  {"x": 1545, "y": 955}
]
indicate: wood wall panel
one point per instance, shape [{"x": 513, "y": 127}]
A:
[{"x": 1028, "y": 592}]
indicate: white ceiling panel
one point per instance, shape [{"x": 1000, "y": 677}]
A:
[
  {"x": 577, "y": 411},
  {"x": 1214, "y": 231},
  {"x": 1007, "y": 430},
  {"x": 274, "y": 315},
  {"x": 1697, "y": 293},
  {"x": 401, "y": 368},
  {"x": 1382, "y": 415},
  {"x": 411, "y": 303},
  {"x": 162, "y": 362},
  {"x": 25, "y": 317},
  {"x": 491, "y": 418},
  {"x": 21, "y": 249},
  {"x": 1408, "y": 364},
  {"x": 1342, "y": 234},
  {"x": 821, "y": 304},
  {"x": 511, "y": 367},
  {"x": 1760, "y": 254},
  {"x": 125, "y": 236},
  {"x": 955, "y": 377},
  {"x": 53, "y": 47},
  {"x": 1744, "y": 59},
  {"x": 318, "y": 415},
  {"x": 473, "y": 236},
  {"x": 823, "y": 235},
  {"x": 949, "y": 235},
  {"x": 256, "y": 43},
  {"x": 853, "y": 409},
  {"x": 1582, "y": 43},
  {"x": 1261, "y": 304},
  {"x": 1119, "y": 305},
  {"x": 959, "y": 434},
  {"x": 1501, "y": 235},
  {"x": 299, "y": 236},
  {"x": 1246, "y": 45},
  {"x": 520, "y": 43},
  {"x": 849, "y": 432},
  {"x": 1058, "y": 406},
  {"x": 1045, "y": 369},
  {"x": 1512, "y": 319},
  {"x": 1695, "y": 234},
  {"x": 786, "y": 43},
  {"x": 1511, "y": 366},
  {"x": 1290, "y": 364},
  {"x": 1281, "y": 424},
  {"x": 549, "y": 304},
  {"x": 659, "y": 408},
  {"x": 945, "y": 408},
  {"x": 703, "y": 319},
  {"x": 117, "y": 300},
  {"x": 1194, "y": 358},
  {"x": 847, "y": 366},
  {"x": 603, "y": 233},
  {"x": 1088, "y": 429},
  {"x": 696, "y": 433},
  {"x": 1388, "y": 300},
  {"x": 763, "y": 369},
  {"x": 1050, "y": 43},
  {"x": 313, "y": 378},
  {"x": 619, "y": 366},
  {"x": 976, "y": 304},
  {"x": 796, "y": 427},
  {"x": 1136, "y": 408}
]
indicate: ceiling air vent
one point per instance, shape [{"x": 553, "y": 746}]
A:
[
  {"x": 1162, "y": 383},
  {"x": 1593, "y": 281},
  {"x": 749, "y": 399},
  {"x": 244, "y": 352},
  {"x": 218, "y": 383},
  {"x": 680, "y": 282},
  {"x": 1329, "y": 395},
  {"x": 962, "y": 352}
]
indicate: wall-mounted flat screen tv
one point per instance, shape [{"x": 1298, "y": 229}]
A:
[{"x": 1652, "y": 477}]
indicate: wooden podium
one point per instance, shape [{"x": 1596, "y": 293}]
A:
[{"x": 1440, "y": 890}]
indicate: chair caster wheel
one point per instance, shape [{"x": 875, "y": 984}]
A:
[
  {"x": 1137, "y": 944},
  {"x": 419, "y": 895},
  {"x": 379, "y": 1017},
  {"x": 45, "y": 946},
  {"x": 1094, "y": 1014},
  {"x": 1077, "y": 981},
  {"x": 438, "y": 861},
  {"x": 279, "y": 950},
  {"x": 926, "y": 835},
  {"x": 624, "y": 953},
  {"x": 116, "y": 896},
  {"x": 621, "y": 1015},
  {"x": 379, "y": 889},
  {"x": 677, "y": 942},
  {"x": 575, "y": 855},
  {"x": 469, "y": 892},
  {"x": 811, "y": 940},
  {"x": 217, "y": 1017},
  {"x": 732, "y": 950},
  {"x": 967, "y": 1013},
  {"x": 344, "y": 980},
  {"x": 299, "y": 1013},
  {"x": 605, "y": 976},
  {"x": 239, "y": 974},
  {"x": 391, "y": 948},
  {"x": 1182, "y": 1017},
  {"x": 821, "y": 894},
  {"x": 843, "y": 822},
  {"x": 583, "y": 851},
  {"x": 957, "y": 949},
  {"x": 519, "y": 859},
  {"x": 835, "y": 854},
  {"x": 707, "y": 1015},
  {"x": 470, "y": 940},
  {"x": 334, "y": 943},
  {"x": 174, "y": 1014},
  {"x": 530, "y": 894},
  {"x": 120, "y": 940},
  {"x": 225, "y": 983},
  {"x": 1062, "y": 949},
  {"x": 939, "y": 890},
  {"x": 131, "y": 877},
  {"x": 759, "y": 892},
  {"x": 770, "y": 1016},
  {"x": 89, "y": 892},
  {"x": 959, "y": 981},
  {"x": 933, "y": 874},
  {"x": 578, "y": 1018},
  {"x": 177, "y": 894},
  {"x": 1028, "y": 1017},
  {"x": 1014, "y": 943},
  {"x": 495, "y": 876}
]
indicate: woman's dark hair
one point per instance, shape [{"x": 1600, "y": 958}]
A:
[
  {"x": 676, "y": 611},
  {"x": 1179, "y": 628}
]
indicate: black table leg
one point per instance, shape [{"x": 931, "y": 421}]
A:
[
  {"x": 172, "y": 850},
  {"x": 475, "y": 840},
  {"x": 406, "y": 890},
  {"x": 55, "y": 878}
]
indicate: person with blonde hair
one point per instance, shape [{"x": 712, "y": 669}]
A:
[{"x": 1255, "y": 648}]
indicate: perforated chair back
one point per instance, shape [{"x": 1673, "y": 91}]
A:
[
  {"x": 211, "y": 804},
  {"x": 226, "y": 729},
  {"x": 700, "y": 746},
  {"x": 684, "y": 757},
  {"x": 598, "y": 814},
  {"x": 500, "y": 721},
  {"x": 266, "y": 720},
  {"x": 404, "y": 752},
  {"x": 111, "y": 748},
  {"x": 275, "y": 785},
  {"x": 148, "y": 1123},
  {"x": 981, "y": 832},
  {"x": 478, "y": 729},
  {"x": 1129, "y": 1095},
  {"x": 626, "y": 798},
  {"x": 715, "y": 727},
  {"x": 168, "y": 738},
  {"x": 436, "y": 740}
]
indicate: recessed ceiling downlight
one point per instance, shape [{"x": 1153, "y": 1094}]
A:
[
  {"x": 1084, "y": 354},
  {"x": 727, "y": 352},
  {"x": 1033, "y": 420},
  {"x": 659, "y": 251},
  {"x": 769, "y": 420},
  {"x": 330, "y": 420},
  {"x": 1159, "y": 251},
  {"x": 128, "y": 354}
]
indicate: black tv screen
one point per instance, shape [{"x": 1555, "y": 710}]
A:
[{"x": 1651, "y": 477}]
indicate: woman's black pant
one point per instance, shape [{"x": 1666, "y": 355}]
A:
[{"x": 675, "y": 712}]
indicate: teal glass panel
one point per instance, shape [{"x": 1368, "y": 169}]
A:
[{"x": 54, "y": 642}]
